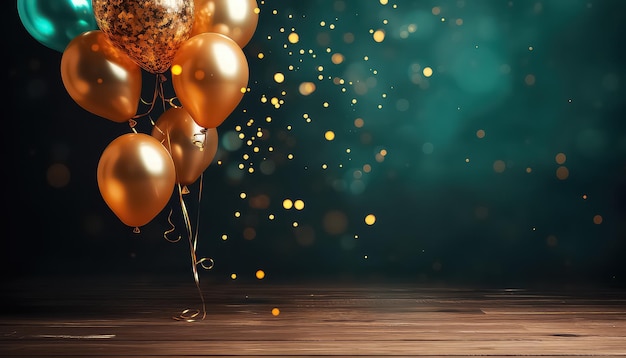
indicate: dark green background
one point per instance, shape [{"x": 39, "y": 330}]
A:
[{"x": 440, "y": 219}]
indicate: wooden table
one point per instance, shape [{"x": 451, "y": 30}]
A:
[{"x": 134, "y": 317}]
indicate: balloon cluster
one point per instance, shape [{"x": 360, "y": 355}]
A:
[{"x": 107, "y": 44}]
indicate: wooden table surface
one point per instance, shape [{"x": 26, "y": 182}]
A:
[{"x": 134, "y": 317}]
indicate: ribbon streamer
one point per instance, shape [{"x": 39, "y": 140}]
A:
[
  {"x": 186, "y": 314},
  {"x": 192, "y": 237}
]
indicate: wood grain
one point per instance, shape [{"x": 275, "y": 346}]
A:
[{"x": 133, "y": 317}]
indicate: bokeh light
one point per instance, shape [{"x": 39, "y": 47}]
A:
[{"x": 436, "y": 133}]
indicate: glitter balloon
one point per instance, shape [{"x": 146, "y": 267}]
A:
[{"x": 149, "y": 31}]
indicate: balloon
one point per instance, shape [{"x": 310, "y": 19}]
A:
[
  {"x": 100, "y": 77},
  {"x": 210, "y": 76},
  {"x": 236, "y": 19},
  {"x": 54, "y": 23},
  {"x": 192, "y": 147},
  {"x": 150, "y": 31},
  {"x": 136, "y": 177}
]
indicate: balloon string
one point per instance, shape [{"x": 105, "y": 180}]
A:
[
  {"x": 187, "y": 314},
  {"x": 204, "y": 259},
  {"x": 169, "y": 220},
  {"x": 193, "y": 241},
  {"x": 158, "y": 92}
]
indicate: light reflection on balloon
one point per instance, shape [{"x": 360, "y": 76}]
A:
[
  {"x": 192, "y": 147},
  {"x": 136, "y": 178},
  {"x": 210, "y": 76},
  {"x": 100, "y": 77},
  {"x": 55, "y": 23},
  {"x": 236, "y": 19}
]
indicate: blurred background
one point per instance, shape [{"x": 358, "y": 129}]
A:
[{"x": 448, "y": 141}]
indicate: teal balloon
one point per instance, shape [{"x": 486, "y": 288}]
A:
[{"x": 55, "y": 23}]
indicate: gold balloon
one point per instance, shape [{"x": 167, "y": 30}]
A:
[
  {"x": 150, "y": 31},
  {"x": 192, "y": 147},
  {"x": 136, "y": 177},
  {"x": 210, "y": 77},
  {"x": 100, "y": 77},
  {"x": 236, "y": 19}
]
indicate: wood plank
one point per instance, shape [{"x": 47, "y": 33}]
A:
[{"x": 134, "y": 318}]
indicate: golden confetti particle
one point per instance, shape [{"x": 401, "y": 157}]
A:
[
  {"x": 383, "y": 2},
  {"x": 287, "y": 204},
  {"x": 329, "y": 135},
  {"x": 279, "y": 77},
  {"x": 260, "y": 274},
  {"x": 370, "y": 219},
  {"x": 359, "y": 122},
  {"x": 562, "y": 173},
  {"x": 335, "y": 222},
  {"x": 177, "y": 70},
  {"x": 436, "y": 10},
  {"x": 298, "y": 204},
  {"x": 293, "y": 38},
  {"x": 597, "y": 219},
  {"x": 249, "y": 233},
  {"x": 337, "y": 58},
  {"x": 233, "y": 276},
  {"x": 584, "y": 196},
  {"x": 275, "y": 311},
  {"x": 560, "y": 158},
  {"x": 224, "y": 237},
  {"x": 379, "y": 35},
  {"x": 306, "y": 88},
  {"x": 499, "y": 166},
  {"x": 58, "y": 175},
  {"x": 260, "y": 55},
  {"x": 427, "y": 71}
]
